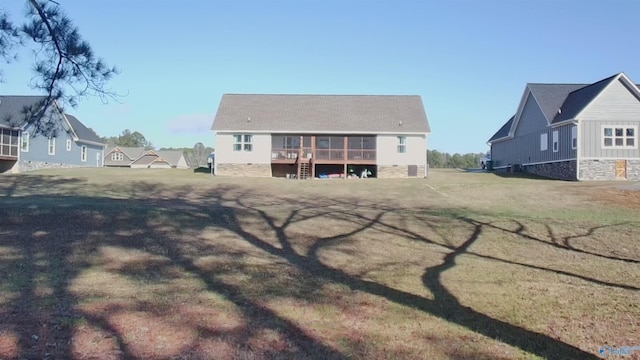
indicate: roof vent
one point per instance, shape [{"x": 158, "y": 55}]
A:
[
  {"x": 249, "y": 119},
  {"x": 559, "y": 111},
  {"x": 400, "y": 123}
]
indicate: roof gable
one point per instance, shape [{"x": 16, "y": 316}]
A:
[
  {"x": 321, "y": 113},
  {"x": 171, "y": 157},
  {"x": 578, "y": 101},
  {"x": 547, "y": 97},
  {"x": 531, "y": 118},
  {"x": 550, "y": 97},
  {"x": 561, "y": 102},
  {"x": 146, "y": 159}
]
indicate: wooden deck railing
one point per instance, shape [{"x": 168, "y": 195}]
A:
[
  {"x": 284, "y": 154},
  {"x": 329, "y": 154},
  {"x": 361, "y": 154},
  {"x": 287, "y": 155}
]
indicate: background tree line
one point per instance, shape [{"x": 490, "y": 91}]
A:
[
  {"x": 437, "y": 159},
  {"x": 128, "y": 138}
]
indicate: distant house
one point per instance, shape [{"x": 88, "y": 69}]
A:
[
  {"x": 122, "y": 156},
  {"x": 138, "y": 157},
  {"x": 573, "y": 131},
  {"x": 307, "y": 136},
  {"x": 22, "y": 148}
]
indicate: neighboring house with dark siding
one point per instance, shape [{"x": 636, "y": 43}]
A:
[
  {"x": 309, "y": 136},
  {"x": 573, "y": 131},
  {"x": 71, "y": 144}
]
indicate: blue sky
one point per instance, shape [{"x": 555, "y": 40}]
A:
[{"x": 469, "y": 60}]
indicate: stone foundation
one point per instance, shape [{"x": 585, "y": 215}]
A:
[
  {"x": 606, "y": 170},
  {"x": 246, "y": 170},
  {"x": 633, "y": 170},
  {"x": 422, "y": 170},
  {"x": 563, "y": 170},
  {"x": 39, "y": 165},
  {"x": 400, "y": 171}
]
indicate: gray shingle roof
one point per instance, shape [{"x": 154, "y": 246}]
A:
[
  {"x": 131, "y": 152},
  {"x": 550, "y": 97},
  {"x": 139, "y": 155},
  {"x": 84, "y": 133},
  {"x": 504, "y": 130},
  {"x": 570, "y": 99},
  {"x": 321, "y": 113},
  {"x": 146, "y": 159},
  {"x": 577, "y": 100},
  {"x": 171, "y": 156},
  {"x": 12, "y": 109}
]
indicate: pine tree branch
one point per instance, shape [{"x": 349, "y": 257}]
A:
[{"x": 56, "y": 42}]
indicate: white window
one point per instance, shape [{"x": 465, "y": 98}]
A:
[
  {"x": 242, "y": 142},
  {"x": 52, "y": 146},
  {"x": 68, "y": 145},
  {"x": 83, "y": 153},
  {"x": 555, "y": 141},
  {"x": 619, "y": 137},
  {"x": 544, "y": 142},
  {"x": 117, "y": 156},
  {"x": 24, "y": 145},
  {"x": 574, "y": 137},
  {"x": 402, "y": 144},
  {"x": 9, "y": 142}
]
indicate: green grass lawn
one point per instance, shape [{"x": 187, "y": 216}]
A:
[{"x": 127, "y": 263}]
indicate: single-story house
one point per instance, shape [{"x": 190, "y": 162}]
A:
[
  {"x": 23, "y": 147},
  {"x": 573, "y": 131},
  {"x": 138, "y": 157},
  {"x": 311, "y": 136}
]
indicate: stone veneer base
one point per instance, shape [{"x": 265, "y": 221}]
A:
[
  {"x": 38, "y": 165},
  {"x": 264, "y": 170},
  {"x": 562, "y": 170},
  {"x": 252, "y": 170},
  {"x": 606, "y": 169},
  {"x": 400, "y": 171}
]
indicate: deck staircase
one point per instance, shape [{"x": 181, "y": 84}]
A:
[{"x": 304, "y": 168}]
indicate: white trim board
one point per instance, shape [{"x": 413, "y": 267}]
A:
[
  {"x": 549, "y": 162},
  {"x": 313, "y": 132},
  {"x": 610, "y": 158}
]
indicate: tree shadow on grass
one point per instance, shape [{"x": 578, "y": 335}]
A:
[
  {"x": 445, "y": 305},
  {"x": 65, "y": 240}
]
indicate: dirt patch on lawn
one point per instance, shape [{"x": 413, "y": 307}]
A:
[{"x": 626, "y": 197}]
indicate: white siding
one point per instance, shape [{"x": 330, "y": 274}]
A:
[
  {"x": 261, "y": 153},
  {"x": 387, "y": 150}
]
